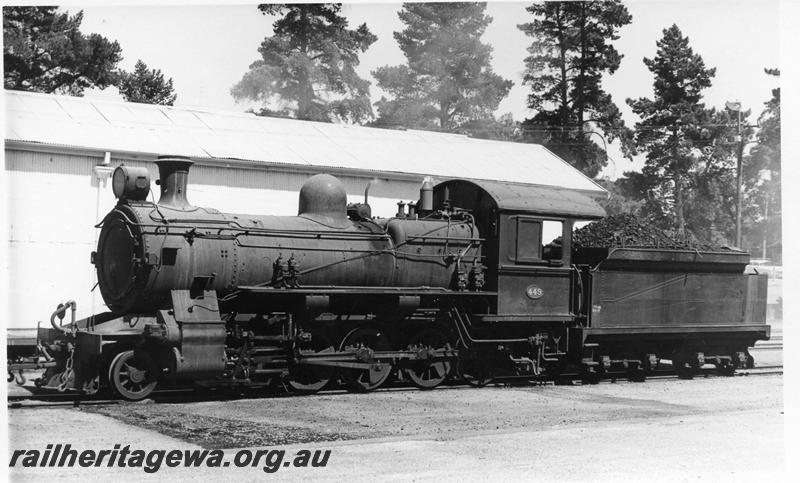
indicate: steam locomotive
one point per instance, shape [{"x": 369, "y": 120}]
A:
[{"x": 463, "y": 283}]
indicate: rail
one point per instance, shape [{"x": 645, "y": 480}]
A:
[{"x": 47, "y": 400}]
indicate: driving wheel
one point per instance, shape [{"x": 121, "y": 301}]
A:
[
  {"x": 426, "y": 374},
  {"x": 306, "y": 378},
  {"x": 365, "y": 341}
]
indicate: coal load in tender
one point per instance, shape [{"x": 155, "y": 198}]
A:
[{"x": 592, "y": 242}]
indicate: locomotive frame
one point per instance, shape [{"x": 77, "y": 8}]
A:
[{"x": 463, "y": 283}]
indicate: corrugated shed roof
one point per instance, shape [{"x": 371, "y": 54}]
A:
[{"x": 151, "y": 129}]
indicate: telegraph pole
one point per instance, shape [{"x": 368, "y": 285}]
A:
[
  {"x": 739, "y": 152},
  {"x": 678, "y": 183}
]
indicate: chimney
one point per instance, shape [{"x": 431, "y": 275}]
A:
[{"x": 174, "y": 175}]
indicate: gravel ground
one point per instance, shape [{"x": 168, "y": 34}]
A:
[
  {"x": 433, "y": 414},
  {"x": 666, "y": 430}
]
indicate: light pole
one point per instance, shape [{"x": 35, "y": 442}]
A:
[{"x": 737, "y": 106}]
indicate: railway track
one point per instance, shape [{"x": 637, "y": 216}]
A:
[
  {"x": 55, "y": 400},
  {"x": 771, "y": 345},
  {"x": 44, "y": 400},
  {"x": 761, "y": 371}
]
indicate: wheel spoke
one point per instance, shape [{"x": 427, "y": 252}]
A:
[
  {"x": 424, "y": 374},
  {"x": 128, "y": 375},
  {"x": 361, "y": 339},
  {"x": 310, "y": 379}
]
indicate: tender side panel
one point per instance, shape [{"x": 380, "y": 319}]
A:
[
  {"x": 635, "y": 299},
  {"x": 756, "y": 303}
]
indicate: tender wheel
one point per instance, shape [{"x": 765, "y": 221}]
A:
[
  {"x": 365, "y": 341},
  {"x": 132, "y": 376},
  {"x": 306, "y": 378},
  {"x": 726, "y": 368},
  {"x": 428, "y": 374},
  {"x": 590, "y": 375},
  {"x": 473, "y": 369},
  {"x": 684, "y": 368},
  {"x": 637, "y": 373}
]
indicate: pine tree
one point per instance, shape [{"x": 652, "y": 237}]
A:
[
  {"x": 308, "y": 66},
  {"x": 146, "y": 86},
  {"x": 762, "y": 182},
  {"x": 570, "y": 52},
  {"x": 672, "y": 125},
  {"x": 448, "y": 79},
  {"x": 44, "y": 51},
  {"x": 503, "y": 128},
  {"x": 622, "y": 198}
]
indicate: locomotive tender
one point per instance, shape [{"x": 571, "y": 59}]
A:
[{"x": 464, "y": 283}]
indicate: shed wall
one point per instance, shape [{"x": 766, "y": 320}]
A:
[{"x": 54, "y": 200}]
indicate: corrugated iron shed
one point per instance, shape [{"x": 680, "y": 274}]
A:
[{"x": 102, "y": 125}]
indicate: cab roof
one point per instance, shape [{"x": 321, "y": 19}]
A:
[{"x": 504, "y": 196}]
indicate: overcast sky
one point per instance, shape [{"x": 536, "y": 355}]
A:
[{"x": 207, "y": 48}]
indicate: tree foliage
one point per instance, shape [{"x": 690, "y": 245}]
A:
[
  {"x": 44, "y": 51},
  {"x": 688, "y": 155},
  {"x": 623, "y": 198},
  {"x": 503, "y": 128},
  {"x": 146, "y": 86},
  {"x": 762, "y": 182},
  {"x": 448, "y": 79},
  {"x": 571, "y": 50},
  {"x": 308, "y": 66}
]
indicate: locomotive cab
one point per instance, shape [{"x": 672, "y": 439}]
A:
[{"x": 528, "y": 231}]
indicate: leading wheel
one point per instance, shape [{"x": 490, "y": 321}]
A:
[
  {"x": 364, "y": 341},
  {"x": 308, "y": 379},
  {"x": 423, "y": 373},
  {"x": 132, "y": 376}
]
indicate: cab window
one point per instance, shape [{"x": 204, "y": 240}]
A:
[
  {"x": 552, "y": 231},
  {"x": 529, "y": 236},
  {"x": 533, "y": 240}
]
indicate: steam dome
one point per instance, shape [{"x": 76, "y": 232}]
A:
[{"x": 323, "y": 196}]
